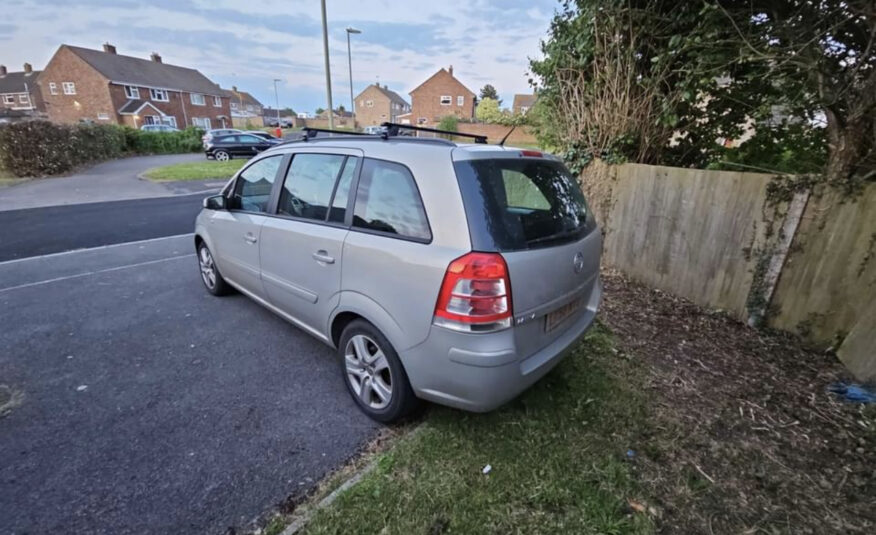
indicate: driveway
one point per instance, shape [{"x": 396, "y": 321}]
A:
[
  {"x": 143, "y": 404},
  {"x": 108, "y": 181}
]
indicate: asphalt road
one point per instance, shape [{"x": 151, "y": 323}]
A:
[
  {"x": 141, "y": 404},
  {"x": 38, "y": 231}
]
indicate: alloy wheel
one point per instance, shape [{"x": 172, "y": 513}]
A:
[
  {"x": 208, "y": 269},
  {"x": 368, "y": 371},
  {"x": 222, "y": 156}
]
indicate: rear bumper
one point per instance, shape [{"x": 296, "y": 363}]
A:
[{"x": 480, "y": 372}]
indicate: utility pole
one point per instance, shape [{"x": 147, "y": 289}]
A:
[
  {"x": 277, "y": 97},
  {"x": 328, "y": 72},
  {"x": 350, "y": 30}
]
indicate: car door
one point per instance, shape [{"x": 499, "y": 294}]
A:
[
  {"x": 251, "y": 145},
  {"x": 235, "y": 232},
  {"x": 302, "y": 246}
]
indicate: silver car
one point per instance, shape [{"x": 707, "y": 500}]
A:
[{"x": 454, "y": 273}]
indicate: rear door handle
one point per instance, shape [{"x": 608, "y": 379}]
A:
[
  {"x": 250, "y": 238},
  {"x": 323, "y": 256}
]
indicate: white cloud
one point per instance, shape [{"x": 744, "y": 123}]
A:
[{"x": 485, "y": 41}]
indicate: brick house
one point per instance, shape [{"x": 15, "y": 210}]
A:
[
  {"x": 378, "y": 104},
  {"x": 20, "y": 96},
  {"x": 522, "y": 104},
  {"x": 245, "y": 108},
  {"x": 441, "y": 94},
  {"x": 81, "y": 84}
]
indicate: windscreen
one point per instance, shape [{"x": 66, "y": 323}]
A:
[{"x": 517, "y": 204}]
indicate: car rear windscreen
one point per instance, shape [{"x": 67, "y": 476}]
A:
[{"x": 516, "y": 204}]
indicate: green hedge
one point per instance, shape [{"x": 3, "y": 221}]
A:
[{"x": 39, "y": 148}]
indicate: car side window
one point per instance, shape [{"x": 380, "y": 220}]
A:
[
  {"x": 342, "y": 191},
  {"x": 249, "y": 139},
  {"x": 253, "y": 187},
  {"x": 308, "y": 187},
  {"x": 388, "y": 201}
]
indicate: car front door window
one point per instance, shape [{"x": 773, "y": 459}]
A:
[{"x": 253, "y": 187}]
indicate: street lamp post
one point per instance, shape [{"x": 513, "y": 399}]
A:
[
  {"x": 351, "y": 30},
  {"x": 328, "y": 72},
  {"x": 277, "y": 97}
]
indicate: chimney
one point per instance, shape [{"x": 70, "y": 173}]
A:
[
  {"x": 450, "y": 70},
  {"x": 28, "y": 68},
  {"x": 155, "y": 57},
  {"x": 109, "y": 49},
  {"x": 234, "y": 88},
  {"x": 2, "y": 70}
]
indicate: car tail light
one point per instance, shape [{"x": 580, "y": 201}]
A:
[
  {"x": 531, "y": 153},
  {"x": 475, "y": 295}
]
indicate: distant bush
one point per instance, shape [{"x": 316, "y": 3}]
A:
[
  {"x": 37, "y": 148},
  {"x": 140, "y": 142}
]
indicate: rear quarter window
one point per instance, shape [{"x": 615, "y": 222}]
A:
[{"x": 388, "y": 202}]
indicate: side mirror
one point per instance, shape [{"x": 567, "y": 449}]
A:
[{"x": 215, "y": 202}]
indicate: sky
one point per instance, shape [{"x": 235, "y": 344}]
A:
[{"x": 249, "y": 44}]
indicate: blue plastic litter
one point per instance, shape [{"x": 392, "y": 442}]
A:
[
  {"x": 854, "y": 393},
  {"x": 631, "y": 454}
]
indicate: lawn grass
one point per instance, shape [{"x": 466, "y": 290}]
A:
[
  {"x": 195, "y": 170},
  {"x": 558, "y": 458}
]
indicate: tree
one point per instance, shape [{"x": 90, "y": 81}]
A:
[
  {"x": 488, "y": 111},
  {"x": 821, "y": 57},
  {"x": 449, "y": 123},
  {"x": 319, "y": 111},
  {"x": 488, "y": 91},
  {"x": 665, "y": 82}
]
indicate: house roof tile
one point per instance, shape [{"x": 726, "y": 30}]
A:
[
  {"x": 14, "y": 82},
  {"x": 144, "y": 72}
]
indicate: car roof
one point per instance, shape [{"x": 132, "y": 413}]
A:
[{"x": 396, "y": 147}]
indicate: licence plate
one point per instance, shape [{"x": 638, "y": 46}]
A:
[{"x": 561, "y": 314}]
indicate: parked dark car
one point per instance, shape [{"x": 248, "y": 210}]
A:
[
  {"x": 264, "y": 135},
  {"x": 224, "y": 148}
]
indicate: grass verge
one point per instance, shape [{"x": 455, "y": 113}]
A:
[
  {"x": 195, "y": 170},
  {"x": 557, "y": 456}
]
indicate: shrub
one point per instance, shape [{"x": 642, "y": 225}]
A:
[
  {"x": 449, "y": 123},
  {"x": 37, "y": 148}
]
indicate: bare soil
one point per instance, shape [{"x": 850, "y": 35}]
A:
[{"x": 743, "y": 436}]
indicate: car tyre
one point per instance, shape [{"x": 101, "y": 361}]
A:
[
  {"x": 374, "y": 374},
  {"x": 210, "y": 275},
  {"x": 221, "y": 156}
]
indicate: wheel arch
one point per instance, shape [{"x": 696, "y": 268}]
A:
[{"x": 354, "y": 305}]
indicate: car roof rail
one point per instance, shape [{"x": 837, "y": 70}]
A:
[
  {"x": 311, "y": 133},
  {"x": 392, "y": 130}
]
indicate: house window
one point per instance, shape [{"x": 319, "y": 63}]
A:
[
  {"x": 158, "y": 95},
  {"x": 132, "y": 92},
  {"x": 170, "y": 120},
  {"x": 369, "y": 103},
  {"x": 460, "y": 100},
  {"x": 8, "y": 99},
  {"x": 249, "y": 107},
  {"x": 23, "y": 99},
  {"x": 69, "y": 88},
  {"x": 446, "y": 100},
  {"x": 103, "y": 116},
  {"x": 201, "y": 122},
  {"x": 197, "y": 99},
  {"x": 53, "y": 88},
  {"x": 217, "y": 102},
  {"x": 234, "y": 105},
  {"x": 421, "y": 120},
  {"x": 524, "y": 109}
]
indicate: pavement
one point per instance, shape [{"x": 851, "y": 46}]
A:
[
  {"x": 142, "y": 404},
  {"x": 108, "y": 181},
  {"x": 53, "y": 229}
]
